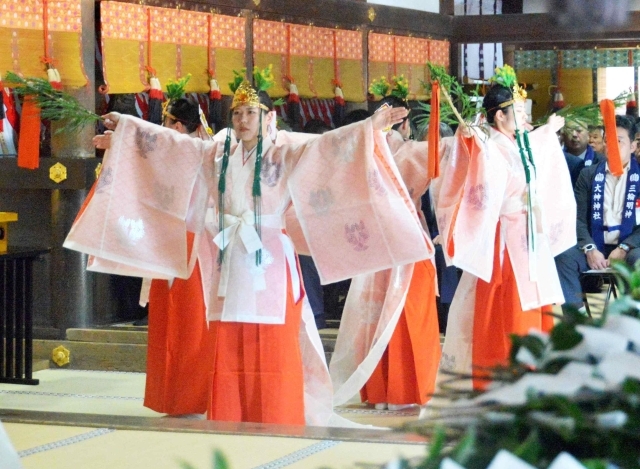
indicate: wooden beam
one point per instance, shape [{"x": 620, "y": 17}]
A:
[
  {"x": 80, "y": 174},
  {"x": 538, "y": 28},
  {"x": 578, "y": 45}
]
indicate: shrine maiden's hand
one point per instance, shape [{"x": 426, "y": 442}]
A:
[
  {"x": 388, "y": 117},
  {"x": 102, "y": 142},
  {"x": 437, "y": 240},
  {"x": 596, "y": 260},
  {"x": 111, "y": 120},
  {"x": 555, "y": 122}
]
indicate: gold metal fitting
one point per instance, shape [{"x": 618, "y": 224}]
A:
[
  {"x": 61, "y": 355},
  {"x": 58, "y": 173}
]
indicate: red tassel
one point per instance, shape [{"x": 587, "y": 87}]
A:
[
  {"x": 29, "y": 143},
  {"x": 558, "y": 100},
  {"x": 215, "y": 94},
  {"x": 156, "y": 94},
  {"x": 54, "y": 78},
  {"x": 608, "y": 110},
  {"x": 293, "y": 98},
  {"x": 433, "y": 147}
]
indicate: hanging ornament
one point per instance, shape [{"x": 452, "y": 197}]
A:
[
  {"x": 9, "y": 120},
  {"x": 54, "y": 77},
  {"x": 339, "y": 110},
  {"x": 293, "y": 106},
  {"x": 558, "y": 100},
  {"x": 340, "y": 106},
  {"x": 215, "y": 105},
  {"x": 2, "y": 113},
  {"x": 155, "y": 101},
  {"x": 632, "y": 105}
]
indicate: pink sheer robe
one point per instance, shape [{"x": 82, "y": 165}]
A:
[
  {"x": 483, "y": 184},
  {"x": 376, "y": 300}
]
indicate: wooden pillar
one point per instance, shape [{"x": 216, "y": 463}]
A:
[
  {"x": 509, "y": 54},
  {"x": 365, "y": 59},
  {"x": 72, "y": 299},
  {"x": 446, "y": 7},
  {"x": 248, "y": 39}
]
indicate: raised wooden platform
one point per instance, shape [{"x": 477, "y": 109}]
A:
[{"x": 121, "y": 347}]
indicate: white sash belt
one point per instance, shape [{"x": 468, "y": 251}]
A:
[
  {"x": 234, "y": 227},
  {"x": 244, "y": 228}
]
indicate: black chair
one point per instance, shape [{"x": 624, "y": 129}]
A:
[{"x": 600, "y": 278}]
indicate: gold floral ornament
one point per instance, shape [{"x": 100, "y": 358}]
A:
[
  {"x": 400, "y": 87},
  {"x": 61, "y": 355},
  {"x": 98, "y": 170},
  {"x": 506, "y": 76},
  {"x": 58, "y": 173},
  {"x": 380, "y": 87}
]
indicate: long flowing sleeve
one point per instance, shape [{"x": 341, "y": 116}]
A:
[
  {"x": 555, "y": 193},
  {"x": 151, "y": 191},
  {"x": 468, "y": 204},
  {"x": 355, "y": 211}
]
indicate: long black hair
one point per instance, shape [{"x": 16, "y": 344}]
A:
[
  {"x": 495, "y": 97},
  {"x": 187, "y": 113}
]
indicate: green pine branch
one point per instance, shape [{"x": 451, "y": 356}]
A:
[
  {"x": 585, "y": 115},
  {"x": 466, "y": 104},
  {"x": 55, "y": 105}
]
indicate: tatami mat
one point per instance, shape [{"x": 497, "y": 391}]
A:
[
  {"x": 56, "y": 447},
  {"x": 76, "y": 391},
  {"x": 25, "y": 437},
  {"x": 120, "y": 393}
]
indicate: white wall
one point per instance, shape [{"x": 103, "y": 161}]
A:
[
  {"x": 534, "y": 6},
  {"x": 432, "y": 6}
]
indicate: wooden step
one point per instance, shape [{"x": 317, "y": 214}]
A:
[
  {"x": 118, "y": 348},
  {"x": 40, "y": 364},
  {"x": 96, "y": 355},
  {"x": 114, "y": 335}
]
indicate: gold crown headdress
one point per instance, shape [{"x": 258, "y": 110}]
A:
[
  {"x": 506, "y": 76},
  {"x": 246, "y": 95}
]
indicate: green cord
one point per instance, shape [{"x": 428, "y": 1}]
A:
[
  {"x": 222, "y": 186},
  {"x": 257, "y": 190},
  {"x": 527, "y": 159}
]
